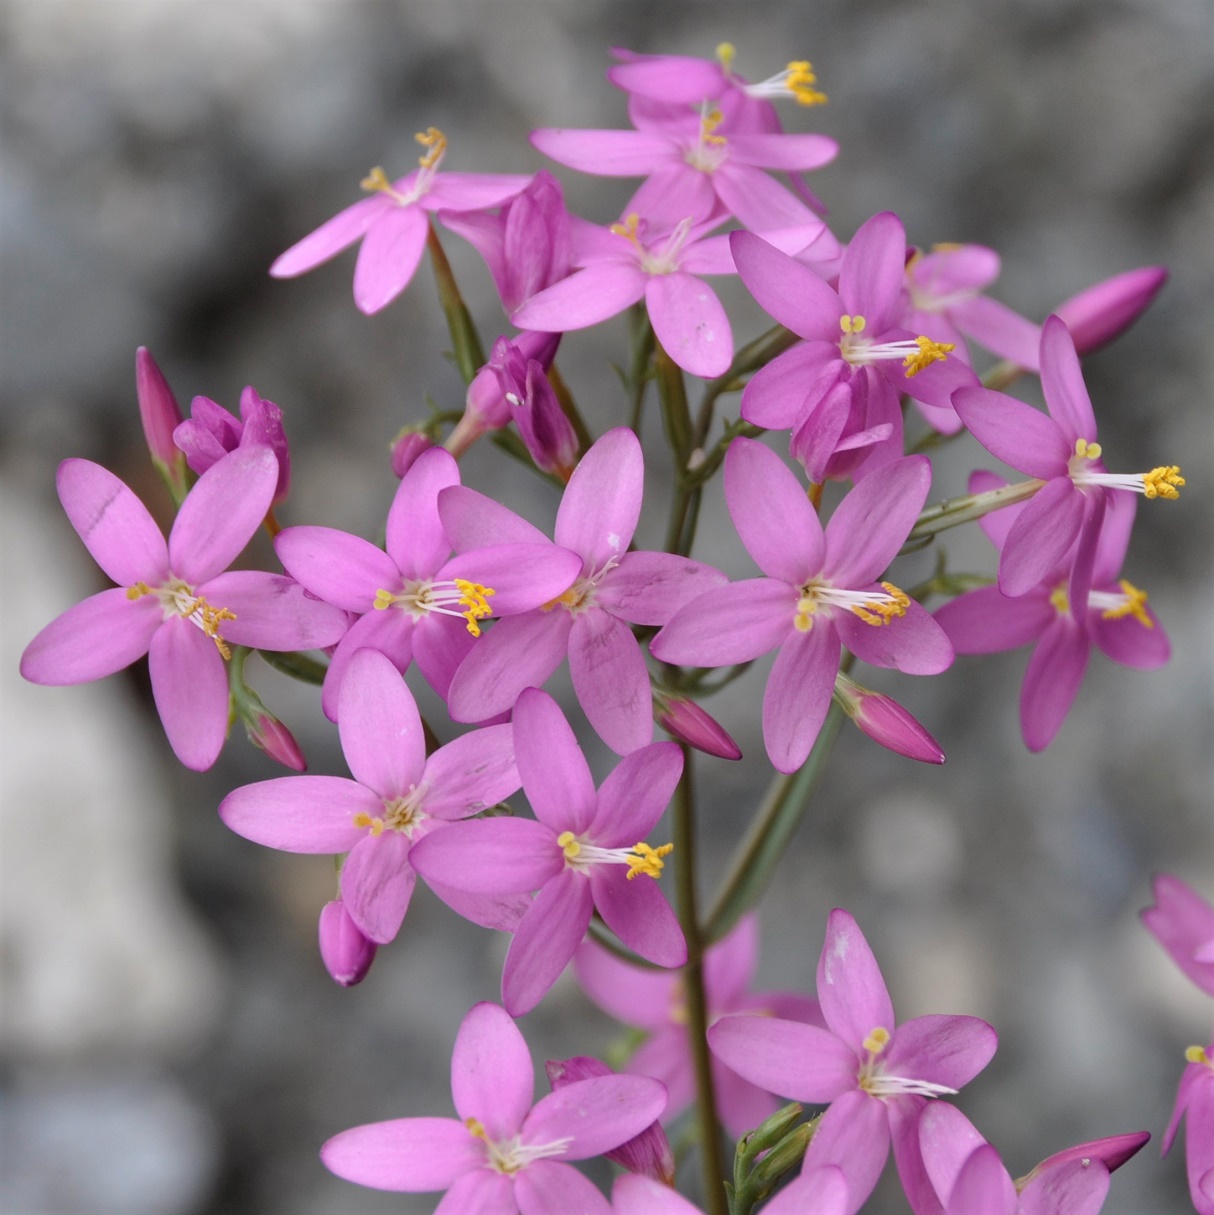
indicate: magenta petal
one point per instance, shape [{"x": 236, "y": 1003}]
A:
[
  {"x": 870, "y": 276},
  {"x": 388, "y": 257},
  {"x": 273, "y": 612},
  {"x": 1051, "y": 681},
  {"x": 638, "y": 913},
  {"x": 548, "y": 1187},
  {"x": 1084, "y": 559},
  {"x": 631, "y": 994},
  {"x": 793, "y": 1060},
  {"x": 471, "y": 773},
  {"x": 390, "y": 632},
  {"x": 946, "y": 1140},
  {"x": 986, "y": 621},
  {"x": 330, "y": 238},
  {"x": 949, "y": 1050},
  {"x": 1101, "y": 312},
  {"x": 501, "y": 912},
  {"x": 1016, "y": 433},
  {"x": 775, "y": 521},
  {"x": 585, "y": 298},
  {"x": 97, "y": 637},
  {"x": 757, "y": 200},
  {"x": 415, "y": 538},
  {"x": 636, "y": 1194},
  {"x": 440, "y": 644},
  {"x": 381, "y": 730},
  {"x": 1129, "y": 642},
  {"x": 300, "y": 813},
  {"x": 190, "y": 687},
  {"x": 490, "y": 856},
  {"x": 1000, "y": 330},
  {"x": 788, "y": 291},
  {"x": 690, "y": 323},
  {"x": 823, "y": 1190},
  {"x": 611, "y": 680},
  {"x": 733, "y": 623},
  {"x": 854, "y": 1137},
  {"x": 597, "y": 1114},
  {"x": 602, "y": 502},
  {"x": 1066, "y": 395},
  {"x": 551, "y": 765},
  {"x": 673, "y": 193},
  {"x": 604, "y": 153},
  {"x": 377, "y": 883},
  {"x": 472, "y": 191},
  {"x": 412, "y": 1155},
  {"x": 491, "y": 1072},
  {"x": 472, "y": 520},
  {"x": 853, "y": 995},
  {"x": 1077, "y": 1188},
  {"x": 983, "y": 1184},
  {"x": 781, "y": 151},
  {"x": 798, "y": 695},
  {"x": 339, "y": 568},
  {"x": 904, "y": 1116},
  {"x": 776, "y": 394},
  {"x": 221, "y": 513},
  {"x": 545, "y": 940},
  {"x": 914, "y": 643},
  {"x": 521, "y": 576},
  {"x": 115, "y": 526},
  {"x": 1041, "y": 536},
  {"x": 635, "y": 794},
  {"x": 648, "y": 588}
]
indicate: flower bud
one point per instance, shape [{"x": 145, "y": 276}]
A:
[
  {"x": 1107, "y": 309},
  {"x": 263, "y": 424},
  {"x": 268, "y": 733},
  {"x": 648, "y": 1153},
  {"x": 346, "y": 953},
  {"x": 406, "y": 447},
  {"x": 1112, "y": 1152},
  {"x": 885, "y": 721},
  {"x": 160, "y": 415},
  {"x": 685, "y": 720}
]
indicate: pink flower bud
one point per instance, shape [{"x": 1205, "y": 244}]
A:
[
  {"x": 685, "y": 720},
  {"x": 406, "y": 447},
  {"x": 1104, "y": 311},
  {"x": 210, "y": 432},
  {"x": 649, "y": 1153},
  {"x": 160, "y": 415},
  {"x": 885, "y": 721},
  {"x": 268, "y": 733},
  {"x": 346, "y": 953}
]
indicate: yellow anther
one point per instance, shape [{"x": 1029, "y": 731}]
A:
[
  {"x": 802, "y": 83},
  {"x": 1060, "y": 601},
  {"x": 803, "y": 622},
  {"x": 1088, "y": 451},
  {"x": 377, "y": 181},
  {"x": 570, "y": 599},
  {"x": 1163, "y": 482},
  {"x": 882, "y": 612},
  {"x": 929, "y": 352},
  {"x": 647, "y": 860},
  {"x": 628, "y": 229},
  {"x": 876, "y": 1041},
  {"x": 569, "y": 844},
  {"x": 709, "y": 121},
  {"x": 363, "y": 819},
  {"x": 436, "y": 141},
  {"x": 1130, "y": 606},
  {"x": 946, "y": 246},
  {"x": 475, "y": 1128},
  {"x": 726, "y": 53},
  {"x": 1198, "y": 1054},
  {"x": 383, "y": 599},
  {"x": 852, "y": 324},
  {"x": 475, "y": 598},
  {"x": 138, "y": 590}
]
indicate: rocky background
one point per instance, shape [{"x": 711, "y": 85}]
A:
[{"x": 172, "y": 1045}]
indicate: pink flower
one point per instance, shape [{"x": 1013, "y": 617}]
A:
[
  {"x": 392, "y": 224},
  {"x": 160, "y": 415},
  {"x": 1195, "y": 1102},
  {"x": 1183, "y": 923},
  {"x": 1106, "y": 310},
  {"x": 502, "y": 1154},
  {"x": 345, "y": 951},
  {"x": 875, "y": 1074},
  {"x": 581, "y": 855},
  {"x": 819, "y": 594},
  {"x": 547, "y": 432},
  {"x": 653, "y": 1001},
  {"x": 685, "y": 720},
  {"x": 173, "y": 602},
  {"x": 885, "y": 721}
]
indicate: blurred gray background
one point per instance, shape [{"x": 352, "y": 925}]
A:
[{"x": 172, "y": 1045}]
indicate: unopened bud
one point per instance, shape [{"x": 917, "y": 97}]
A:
[
  {"x": 1112, "y": 1152},
  {"x": 648, "y": 1153},
  {"x": 160, "y": 415},
  {"x": 346, "y": 953},
  {"x": 685, "y": 720},
  {"x": 886, "y": 722},
  {"x": 263, "y": 425},
  {"x": 1104, "y": 311},
  {"x": 406, "y": 447},
  {"x": 268, "y": 733}
]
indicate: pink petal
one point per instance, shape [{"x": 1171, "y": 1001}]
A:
[
  {"x": 501, "y": 912},
  {"x": 800, "y": 1062},
  {"x": 1114, "y": 543},
  {"x": 638, "y": 913},
  {"x": 190, "y": 687},
  {"x": 273, "y": 612},
  {"x": 1078, "y": 1188},
  {"x": 221, "y": 513},
  {"x": 904, "y": 1114},
  {"x": 947, "y": 1138},
  {"x": 648, "y": 588},
  {"x": 377, "y": 883},
  {"x": 491, "y": 1072},
  {"x": 611, "y": 680},
  {"x": 729, "y": 965},
  {"x": 758, "y": 201},
  {"x": 471, "y": 773},
  {"x": 986, "y": 621},
  {"x": 407, "y": 1154},
  {"x": 300, "y": 813},
  {"x": 1080, "y": 584},
  {"x": 1014, "y": 432},
  {"x": 870, "y": 277},
  {"x": 380, "y": 728},
  {"x": 521, "y": 576},
  {"x": 602, "y": 502},
  {"x": 914, "y": 643},
  {"x": 949, "y": 1050},
  {"x": 472, "y": 520},
  {"x": 330, "y": 238},
  {"x": 480, "y": 1192},
  {"x": 545, "y": 940},
  {"x": 690, "y": 323},
  {"x": 1000, "y": 330},
  {"x": 389, "y": 632},
  {"x": 818, "y": 433},
  {"x": 672, "y": 193},
  {"x": 823, "y": 1191},
  {"x": 115, "y": 526},
  {"x": 440, "y": 644},
  {"x": 798, "y": 694},
  {"x": 1102, "y": 312},
  {"x": 339, "y": 568},
  {"x": 585, "y": 298},
  {"x": 733, "y": 623},
  {"x": 548, "y": 1187},
  {"x": 416, "y": 541},
  {"x": 983, "y": 1184},
  {"x": 635, "y": 794},
  {"x": 853, "y": 995},
  {"x": 853, "y": 1136},
  {"x": 1041, "y": 536},
  {"x": 788, "y": 291},
  {"x": 598, "y": 1114},
  {"x": 97, "y": 637},
  {"x": 630, "y": 994},
  {"x": 634, "y": 1194},
  {"x": 770, "y": 509},
  {"x": 388, "y": 257},
  {"x": 1066, "y": 395},
  {"x": 551, "y": 765},
  {"x": 742, "y": 1105},
  {"x": 947, "y": 272},
  {"x": 489, "y": 856},
  {"x": 604, "y": 153},
  {"x": 473, "y": 191},
  {"x": 776, "y": 395},
  {"x": 1128, "y": 641},
  {"x": 783, "y": 151},
  {"x": 1051, "y": 681}
]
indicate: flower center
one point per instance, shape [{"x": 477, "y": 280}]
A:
[
  {"x": 403, "y": 814},
  {"x": 457, "y": 597},
  {"x": 873, "y": 607},
  {"x": 1162, "y": 482},
  {"x": 1113, "y": 606},
  {"x": 1199, "y": 1054},
  {"x": 924, "y": 296},
  {"x": 512, "y": 1155},
  {"x": 377, "y": 181},
  {"x": 873, "y": 1079},
  {"x": 640, "y": 858},
  {"x": 583, "y": 593},
  {"x": 797, "y": 81},
  {"x": 915, "y": 353},
  {"x": 665, "y": 255},
  {"x": 178, "y": 599},
  {"x": 709, "y": 150}
]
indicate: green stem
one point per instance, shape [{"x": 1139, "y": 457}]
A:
[
  {"x": 570, "y": 410},
  {"x": 297, "y": 664},
  {"x": 639, "y": 371},
  {"x": 465, "y": 341},
  {"x": 955, "y": 511},
  {"x": 752, "y": 356}
]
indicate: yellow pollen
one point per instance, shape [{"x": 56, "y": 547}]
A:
[
  {"x": 803, "y": 622},
  {"x": 947, "y": 246},
  {"x": 929, "y": 352},
  {"x": 852, "y": 324},
  {"x": 876, "y": 1041},
  {"x": 569, "y": 844},
  {"x": 1088, "y": 451},
  {"x": 883, "y": 613},
  {"x": 726, "y": 53},
  {"x": 1197, "y": 1054},
  {"x": 802, "y": 83},
  {"x": 708, "y": 126},
  {"x": 1163, "y": 482},
  {"x": 377, "y": 182},
  {"x": 363, "y": 819},
  {"x": 475, "y": 598},
  {"x": 1134, "y": 599},
  {"x": 647, "y": 860},
  {"x": 138, "y": 590},
  {"x": 628, "y": 229},
  {"x": 475, "y": 1128},
  {"x": 570, "y": 599},
  {"x": 436, "y": 141},
  {"x": 1059, "y": 600},
  {"x": 383, "y": 599}
]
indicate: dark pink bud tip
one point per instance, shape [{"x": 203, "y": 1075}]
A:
[
  {"x": 346, "y": 953},
  {"x": 685, "y": 720}
]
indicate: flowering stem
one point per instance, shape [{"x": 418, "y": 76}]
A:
[
  {"x": 955, "y": 511},
  {"x": 1002, "y": 375},
  {"x": 711, "y": 1158},
  {"x": 639, "y": 371},
  {"x": 569, "y": 409},
  {"x": 297, "y": 664},
  {"x": 465, "y": 341},
  {"x": 750, "y": 358}
]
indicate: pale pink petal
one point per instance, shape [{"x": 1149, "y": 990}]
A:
[
  {"x": 471, "y": 773},
  {"x": 775, "y": 521},
  {"x": 489, "y": 856},
  {"x": 388, "y": 258},
  {"x": 1000, "y": 330},
  {"x": 545, "y": 940},
  {"x": 585, "y": 298},
  {"x": 854, "y": 1137},
  {"x": 602, "y": 502},
  {"x": 986, "y": 621},
  {"x": 597, "y": 1114},
  {"x": 1051, "y": 681},
  {"x": 341, "y": 569},
  {"x": 635, "y": 794},
  {"x": 914, "y": 643},
  {"x": 949, "y": 1050},
  {"x": 115, "y": 526},
  {"x": 273, "y": 612},
  {"x": 472, "y": 520},
  {"x": 611, "y": 680},
  {"x": 1041, "y": 536},
  {"x": 853, "y": 995},
  {"x": 1115, "y": 532},
  {"x": 416, "y": 541},
  {"x": 377, "y": 883},
  {"x": 330, "y": 238},
  {"x": 300, "y": 813},
  {"x": 870, "y": 277},
  {"x": 690, "y": 323},
  {"x": 491, "y": 1072},
  {"x": 798, "y": 694},
  {"x": 671, "y": 78},
  {"x": 551, "y": 765},
  {"x": 1016, "y": 433},
  {"x": 1066, "y": 395},
  {"x": 390, "y": 632},
  {"x": 783, "y": 151},
  {"x": 776, "y": 395},
  {"x": 605, "y": 153},
  {"x": 983, "y": 1185},
  {"x": 97, "y": 637},
  {"x": 648, "y": 588},
  {"x": 758, "y": 201},
  {"x": 221, "y": 513},
  {"x": 946, "y": 1140},
  {"x": 788, "y": 291},
  {"x": 380, "y": 728},
  {"x": 733, "y": 623},
  {"x": 548, "y": 1187},
  {"x": 631, "y": 994},
  {"x": 190, "y": 687},
  {"x": 666, "y": 1056},
  {"x": 800, "y": 1062},
  {"x": 637, "y": 912},
  {"x": 412, "y": 1155}
]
